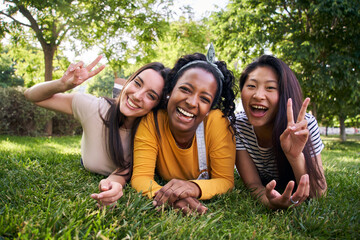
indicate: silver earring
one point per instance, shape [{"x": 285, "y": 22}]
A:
[{"x": 167, "y": 97}]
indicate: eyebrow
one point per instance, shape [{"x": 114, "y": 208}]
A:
[
  {"x": 253, "y": 79},
  {"x": 152, "y": 90},
  {"x": 206, "y": 93}
]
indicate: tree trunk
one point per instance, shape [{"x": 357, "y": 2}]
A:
[
  {"x": 342, "y": 129},
  {"x": 49, "y": 52},
  {"x": 326, "y": 130}
]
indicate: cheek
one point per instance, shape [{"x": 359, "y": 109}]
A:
[{"x": 276, "y": 99}]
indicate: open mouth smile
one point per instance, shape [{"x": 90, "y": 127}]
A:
[
  {"x": 132, "y": 104},
  {"x": 258, "y": 110},
  {"x": 184, "y": 113}
]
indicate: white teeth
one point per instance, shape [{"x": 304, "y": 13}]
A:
[
  {"x": 187, "y": 114},
  {"x": 132, "y": 104},
  {"x": 259, "y": 107}
]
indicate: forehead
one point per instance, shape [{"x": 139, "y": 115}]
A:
[
  {"x": 152, "y": 78},
  {"x": 197, "y": 75},
  {"x": 263, "y": 74},
  {"x": 199, "y": 79}
]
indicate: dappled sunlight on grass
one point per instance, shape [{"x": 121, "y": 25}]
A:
[
  {"x": 45, "y": 193},
  {"x": 7, "y": 145}
]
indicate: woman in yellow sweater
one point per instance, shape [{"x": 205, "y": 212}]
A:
[{"x": 190, "y": 142}]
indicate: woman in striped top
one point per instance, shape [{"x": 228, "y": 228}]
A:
[{"x": 278, "y": 144}]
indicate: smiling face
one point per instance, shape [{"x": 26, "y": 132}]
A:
[
  {"x": 142, "y": 94},
  {"x": 260, "y": 97},
  {"x": 191, "y": 100}
]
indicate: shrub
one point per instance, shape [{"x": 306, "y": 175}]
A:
[
  {"x": 21, "y": 117},
  {"x": 64, "y": 124}
]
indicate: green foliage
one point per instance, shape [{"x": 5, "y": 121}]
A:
[
  {"x": 184, "y": 36},
  {"x": 23, "y": 64},
  {"x": 318, "y": 39},
  {"x": 102, "y": 84},
  {"x": 44, "y": 194},
  {"x": 181, "y": 37},
  {"x": 21, "y": 117},
  {"x": 8, "y": 78}
]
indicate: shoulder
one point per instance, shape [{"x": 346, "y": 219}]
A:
[
  {"x": 215, "y": 116},
  {"x": 242, "y": 122},
  {"x": 216, "y": 124},
  {"x": 84, "y": 98},
  {"x": 148, "y": 120},
  {"x": 241, "y": 117},
  {"x": 312, "y": 123}
]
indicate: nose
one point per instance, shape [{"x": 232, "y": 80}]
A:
[
  {"x": 138, "y": 95},
  {"x": 191, "y": 101},
  {"x": 259, "y": 94}
]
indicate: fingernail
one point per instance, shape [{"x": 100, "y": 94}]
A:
[
  {"x": 293, "y": 128},
  {"x": 154, "y": 203}
]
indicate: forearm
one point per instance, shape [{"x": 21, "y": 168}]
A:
[
  {"x": 211, "y": 187},
  {"x": 298, "y": 166},
  {"x": 146, "y": 185},
  {"x": 45, "y": 90}
]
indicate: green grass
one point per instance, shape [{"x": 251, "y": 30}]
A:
[{"x": 45, "y": 194}]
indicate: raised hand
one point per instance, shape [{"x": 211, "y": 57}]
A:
[
  {"x": 285, "y": 200},
  {"x": 295, "y": 136},
  {"x": 76, "y": 73},
  {"x": 175, "y": 190},
  {"x": 110, "y": 192}
]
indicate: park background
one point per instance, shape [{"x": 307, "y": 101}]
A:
[{"x": 45, "y": 194}]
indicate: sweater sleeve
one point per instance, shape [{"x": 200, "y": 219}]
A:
[
  {"x": 145, "y": 155},
  {"x": 221, "y": 157}
]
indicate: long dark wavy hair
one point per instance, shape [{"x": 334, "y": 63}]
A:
[
  {"x": 223, "y": 101},
  {"x": 289, "y": 87},
  {"x": 114, "y": 119}
]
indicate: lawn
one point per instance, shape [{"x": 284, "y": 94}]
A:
[{"x": 45, "y": 194}]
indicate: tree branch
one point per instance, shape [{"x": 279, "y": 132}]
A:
[
  {"x": 15, "y": 20},
  {"x": 34, "y": 25}
]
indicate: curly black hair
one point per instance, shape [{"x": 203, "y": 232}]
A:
[{"x": 224, "y": 100}]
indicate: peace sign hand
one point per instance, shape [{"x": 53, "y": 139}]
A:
[
  {"x": 76, "y": 73},
  {"x": 295, "y": 136}
]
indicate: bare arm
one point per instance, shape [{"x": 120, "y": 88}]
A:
[
  {"x": 250, "y": 176},
  {"x": 51, "y": 95},
  {"x": 293, "y": 141},
  {"x": 268, "y": 195}
]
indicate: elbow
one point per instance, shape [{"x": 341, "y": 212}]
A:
[
  {"x": 28, "y": 96},
  {"x": 319, "y": 192}
]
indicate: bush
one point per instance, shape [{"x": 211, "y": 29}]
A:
[
  {"x": 64, "y": 124},
  {"x": 21, "y": 117}
]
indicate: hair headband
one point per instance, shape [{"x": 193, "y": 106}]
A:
[{"x": 210, "y": 59}]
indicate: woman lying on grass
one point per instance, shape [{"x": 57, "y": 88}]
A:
[
  {"x": 274, "y": 151},
  {"x": 109, "y": 125},
  {"x": 188, "y": 144}
]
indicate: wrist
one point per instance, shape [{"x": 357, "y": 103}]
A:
[
  {"x": 298, "y": 166},
  {"x": 197, "y": 190}
]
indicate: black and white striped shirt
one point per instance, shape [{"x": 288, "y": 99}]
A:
[{"x": 264, "y": 158}]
